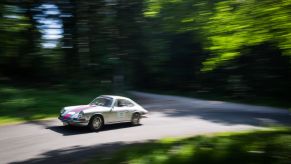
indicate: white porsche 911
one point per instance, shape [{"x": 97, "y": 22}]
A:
[{"x": 105, "y": 109}]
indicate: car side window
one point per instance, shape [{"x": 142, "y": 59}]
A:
[
  {"x": 128, "y": 103},
  {"x": 123, "y": 102}
]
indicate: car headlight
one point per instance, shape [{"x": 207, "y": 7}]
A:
[
  {"x": 81, "y": 114},
  {"x": 63, "y": 111}
]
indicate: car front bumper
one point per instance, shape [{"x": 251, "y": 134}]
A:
[{"x": 73, "y": 121}]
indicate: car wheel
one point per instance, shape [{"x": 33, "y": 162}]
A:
[
  {"x": 135, "y": 120},
  {"x": 96, "y": 123}
]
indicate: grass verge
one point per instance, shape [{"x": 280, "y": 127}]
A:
[
  {"x": 258, "y": 147},
  {"x": 21, "y": 104}
]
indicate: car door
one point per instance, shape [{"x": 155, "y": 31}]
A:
[
  {"x": 121, "y": 111},
  {"x": 130, "y": 109}
]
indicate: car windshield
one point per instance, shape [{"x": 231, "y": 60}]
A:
[{"x": 102, "y": 101}]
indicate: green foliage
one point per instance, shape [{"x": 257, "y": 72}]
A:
[
  {"x": 246, "y": 147},
  {"x": 238, "y": 48},
  {"x": 228, "y": 26},
  {"x": 13, "y": 22},
  {"x": 239, "y": 24},
  {"x": 13, "y": 19}
]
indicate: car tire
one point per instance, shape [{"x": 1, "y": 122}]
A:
[
  {"x": 96, "y": 123},
  {"x": 135, "y": 119}
]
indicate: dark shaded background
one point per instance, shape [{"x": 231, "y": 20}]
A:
[{"x": 234, "y": 49}]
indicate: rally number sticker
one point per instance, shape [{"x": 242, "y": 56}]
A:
[{"x": 120, "y": 114}]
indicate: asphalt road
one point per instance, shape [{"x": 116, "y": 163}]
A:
[{"x": 170, "y": 116}]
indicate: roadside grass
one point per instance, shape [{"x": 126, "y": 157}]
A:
[
  {"x": 257, "y": 147},
  {"x": 21, "y": 104}
]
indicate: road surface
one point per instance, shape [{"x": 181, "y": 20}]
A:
[{"x": 170, "y": 116}]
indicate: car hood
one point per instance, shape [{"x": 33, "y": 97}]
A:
[
  {"x": 77, "y": 108},
  {"x": 71, "y": 110}
]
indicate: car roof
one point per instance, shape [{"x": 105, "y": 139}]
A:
[{"x": 115, "y": 96}]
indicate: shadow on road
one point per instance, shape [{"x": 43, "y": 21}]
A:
[
  {"x": 75, "y": 130},
  {"x": 75, "y": 154}
]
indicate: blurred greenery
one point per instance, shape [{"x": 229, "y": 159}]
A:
[
  {"x": 227, "y": 26},
  {"x": 241, "y": 24},
  {"x": 236, "y": 49},
  {"x": 272, "y": 146}
]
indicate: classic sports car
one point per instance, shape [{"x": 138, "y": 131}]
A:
[{"x": 105, "y": 109}]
